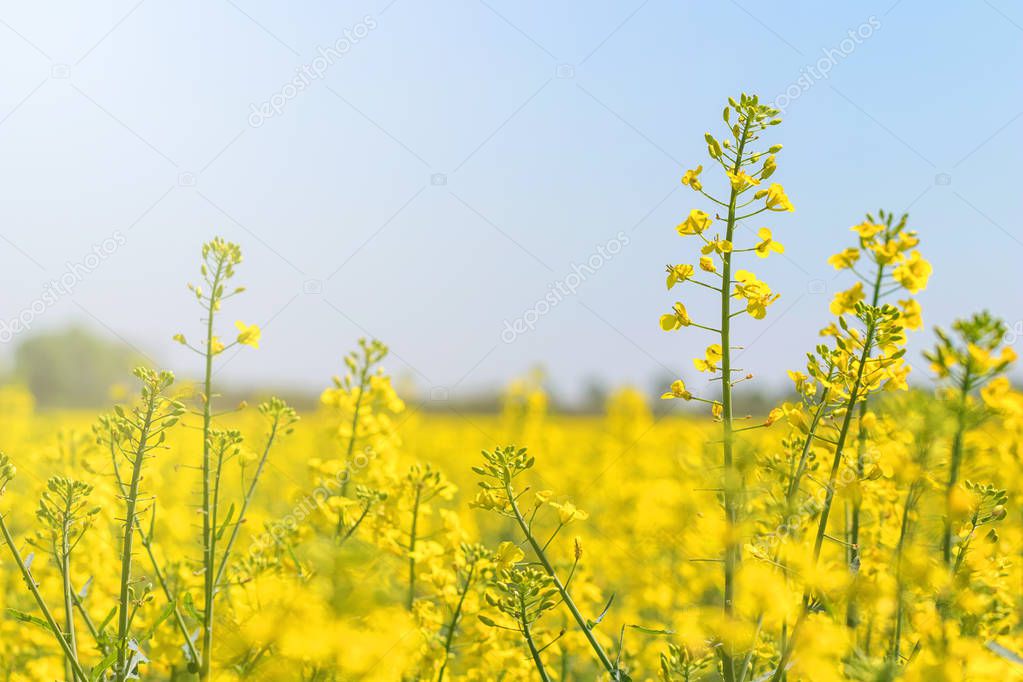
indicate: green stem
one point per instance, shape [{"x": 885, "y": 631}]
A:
[
  {"x": 208, "y": 532},
  {"x": 76, "y": 667},
  {"x": 790, "y": 497},
  {"x": 456, "y": 616},
  {"x": 65, "y": 572},
  {"x": 355, "y": 426},
  {"x": 412, "y": 548},
  {"x": 964, "y": 546},
  {"x": 533, "y": 652},
  {"x": 955, "y": 462},
  {"x": 245, "y": 505},
  {"x": 90, "y": 625},
  {"x": 907, "y": 508},
  {"x": 130, "y": 522},
  {"x": 342, "y": 535},
  {"x": 746, "y": 666},
  {"x": 732, "y": 551},
  {"x": 829, "y": 496},
  {"x": 852, "y": 613},
  {"x": 854, "y": 395},
  {"x": 562, "y": 590},
  {"x": 797, "y": 476},
  {"x": 147, "y": 543},
  {"x": 218, "y": 476}
]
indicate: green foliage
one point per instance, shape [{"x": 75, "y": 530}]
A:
[{"x": 72, "y": 368}]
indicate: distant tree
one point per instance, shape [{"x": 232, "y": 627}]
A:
[
  {"x": 72, "y": 368},
  {"x": 595, "y": 393}
]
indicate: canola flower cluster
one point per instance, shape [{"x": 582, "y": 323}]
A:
[{"x": 861, "y": 530}]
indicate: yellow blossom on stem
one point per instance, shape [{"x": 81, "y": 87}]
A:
[
  {"x": 712, "y": 356},
  {"x": 911, "y": 318},
  {"x": 867, "y": 229},
  {"x": 885, "y": 252},
  {"x": 248, "y": 334},
  {"x": 678, "y": 390},
  {"x": 741, "y": 180},
  {"x": 913, "y": 273},
  {"x": 696, "y": 223},
  {"x": 767, "y": 244},
  {"x": 719, "y": 246},
  {"x": 777, "y": 199},
  {"x": 845, "y": 301},
  {"x": 508, "y": 554},
  {"x": 569, "y": 512},
  {"x": 792, "y": 412},
  {"x": 844, "y": 259},
  {"x": 692, "y": 178},
  {"x": 676, "y": 319},
  {"x": 757, "y": 294},
  {"x": 678, "y": 274},
  {"x": 802, "y": 383}
]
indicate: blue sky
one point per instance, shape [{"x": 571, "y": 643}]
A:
[{"x": 455, "y": 159}]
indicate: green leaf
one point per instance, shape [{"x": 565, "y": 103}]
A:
[
  {"x": 29, "y": 618},
  {"x": 590, "y": 624},
  {"x": 106, "y": 621},
  {"x": 164, "y": 615},
  {"x": 97, "y": 673},
  {"x": 227, "y": 522},
  {"x": 190, "y": 606},
  {"x": 651, "y": 631}
]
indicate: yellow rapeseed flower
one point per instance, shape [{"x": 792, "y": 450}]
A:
[
  {"x": 777, "y": 200},
  {"x": 709, "y": 362},
  {"x": 696, "y": 223},
  {"x": 678, "y": 390},
  {"x": 676, "y": 319},
  {"x": 911, "y": 318},
  {"x": 846, "y": 258},
  {"x": 757, "y": 294},
  {"x": 508, "y": 554},
  {"x": 720, "y": 246},
  {"x": 692, "y": 178},
  {"x": 913, "y": 273},
  {"x": 678, "y": 274},
  {"x": 767, "y": 244},
  {"x": 248, "y": 334},
  {"x": 741, "y": 180},
  {"x": 845, "y": 301},
  {"x": 867, "y": 230},
  {"x": 569, "y": 512}
]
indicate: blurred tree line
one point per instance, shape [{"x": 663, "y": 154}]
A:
[{"x": 74, "y": 368}]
